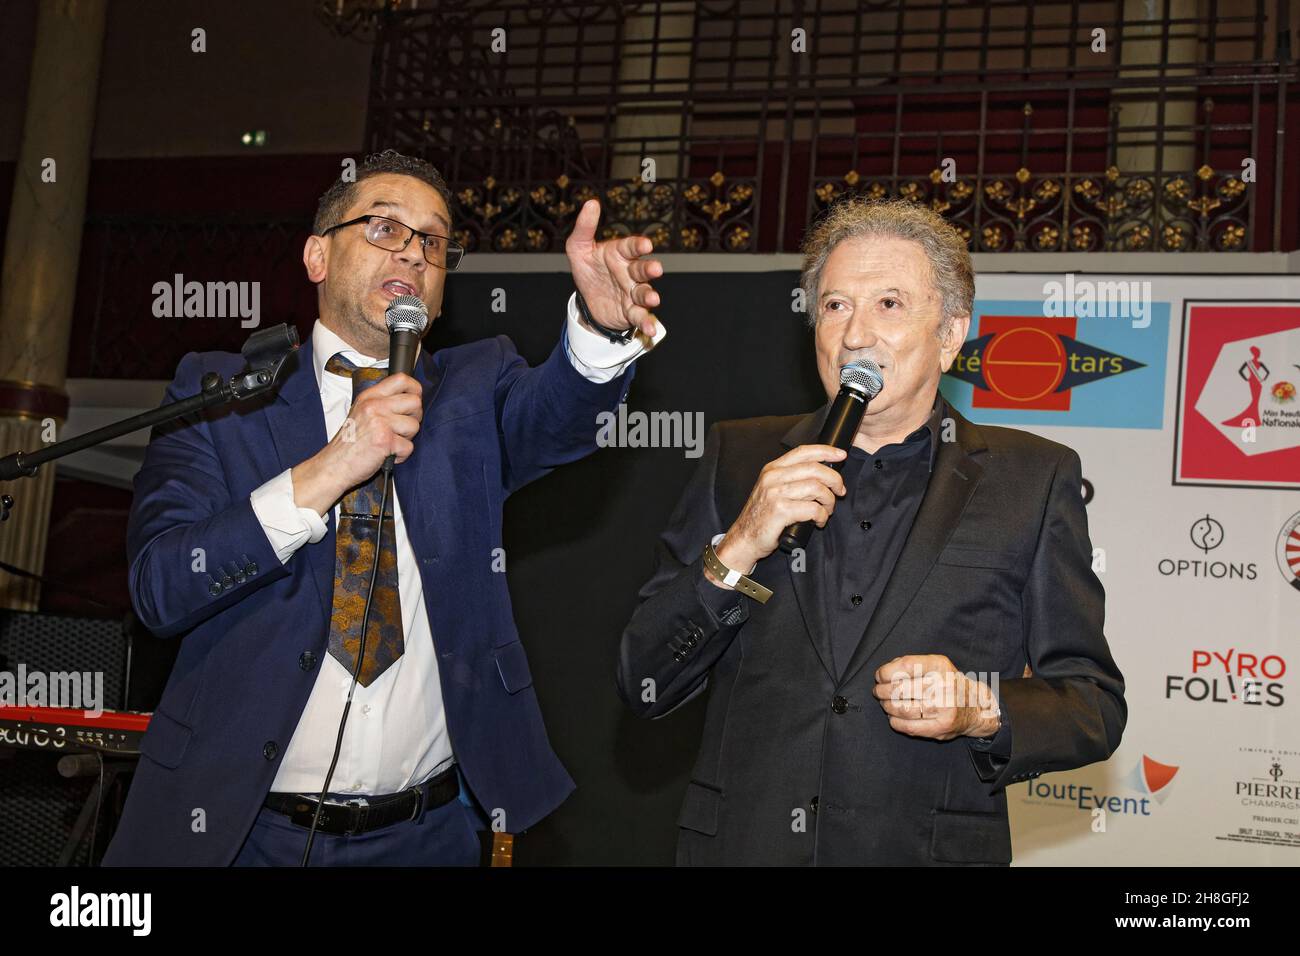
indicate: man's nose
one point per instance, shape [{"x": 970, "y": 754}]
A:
[
  {"x": 412, "y": 255},
  {"x": 861, "y": 331}
]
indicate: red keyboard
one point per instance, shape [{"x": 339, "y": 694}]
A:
[{"x": 72, "y": 731}]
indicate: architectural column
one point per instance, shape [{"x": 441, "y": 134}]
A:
[{"x": 41, "y": 254}]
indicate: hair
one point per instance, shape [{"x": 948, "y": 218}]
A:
[
  {"x": 342, "y": 194},
  {"x": 951, "y": 271}
]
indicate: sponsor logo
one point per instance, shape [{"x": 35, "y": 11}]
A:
[
  {"x": 1150, "y": 780},
  {"x": 1288, "y": 551},
  {"x": 1238, "y": 417},
  {"x": 1274, "y": 789},
  {"x": 1269, "y": 799},
  {"x": 1021, "y": 367},
  {"x": 1021, "y": 363},
  {"x": 1230, "y": 677},
  {"x": 1207, "y": 533}
]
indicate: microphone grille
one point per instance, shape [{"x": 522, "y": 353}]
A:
[
  {"x": 407, "y": 313},
  {"x": 864, "y": 376}
]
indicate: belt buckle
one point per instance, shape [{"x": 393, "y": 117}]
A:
[
  {"x": 303, "y": 812},
  {"x": 421, "y": 793}
]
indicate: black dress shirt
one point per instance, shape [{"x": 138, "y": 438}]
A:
[{"x": 864, "y": 537}]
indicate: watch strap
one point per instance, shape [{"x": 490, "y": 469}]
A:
[
  {"x": 733, "y": 578},
  {"x": 618, "y": 338}
]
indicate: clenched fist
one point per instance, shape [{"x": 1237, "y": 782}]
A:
[{"x": 383, "y": 421}]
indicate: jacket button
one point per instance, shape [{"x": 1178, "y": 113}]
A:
[
  {"x": 839, "y": 704},
  {"x": 866, "y": 526},
  {"x": 855, "y": 600},
  {"x": 678, "y": 656},
  {"x": 227, "y": 582},
  {"x": 214, "y": 588},
  {"x": 307, "y": 660},
  {"x": 813, "y": 804},
  {"x": 269, "y": 750},
  {"x": 250, "y": 568}
]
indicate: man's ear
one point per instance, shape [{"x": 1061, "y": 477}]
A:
[
  {"x": 955, "y": 332},
  {"x": 313, "y": 258}
]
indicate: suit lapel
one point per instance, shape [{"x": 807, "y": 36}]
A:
[
  {"x": 810, "y": 584},
  {"x": 428, "y": 466},
  {"x": 298, "y": 427},
  {"x": 297, "y": 421},
  {"x": 955, "y": 478}
]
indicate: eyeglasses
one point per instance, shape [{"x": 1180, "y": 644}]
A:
[{"x": 393, "y": 236}]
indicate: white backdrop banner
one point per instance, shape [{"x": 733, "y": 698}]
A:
[{"x": 1180, "y": 395}]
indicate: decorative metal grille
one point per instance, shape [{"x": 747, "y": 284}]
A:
[{"x": 1051, "y": 143}]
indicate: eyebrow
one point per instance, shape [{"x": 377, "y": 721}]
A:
[
  {"x": 389, "y": 204},
  {"x": 894, "y": 289}
]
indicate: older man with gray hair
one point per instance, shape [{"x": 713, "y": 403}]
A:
[{"x": 941, "y": 635}]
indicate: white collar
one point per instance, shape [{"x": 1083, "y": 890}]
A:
[{"x": 325, "y": 343}]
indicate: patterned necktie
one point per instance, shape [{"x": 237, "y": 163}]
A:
[{"x": 354, "y": 552}]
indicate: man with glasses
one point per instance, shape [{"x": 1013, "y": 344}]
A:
[{"x": 253, "y": 534}]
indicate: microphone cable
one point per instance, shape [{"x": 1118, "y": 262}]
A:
[
  {"x": 361, "y": 656},
  {"x": 407, "y": 317}
]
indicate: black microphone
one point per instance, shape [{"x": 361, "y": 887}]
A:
[
  {"x": 860, "y": 382},
  {"x": 407, "y": 316}
]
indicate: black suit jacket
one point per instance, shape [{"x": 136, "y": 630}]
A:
[{"x": 799, "y": 766}]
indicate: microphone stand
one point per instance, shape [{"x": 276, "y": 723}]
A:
[{"x": 265, "y": 352}]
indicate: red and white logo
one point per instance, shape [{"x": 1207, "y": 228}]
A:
[
  {"x": 1288, "y": 551},
  {"x": 1238, "y": 418}
]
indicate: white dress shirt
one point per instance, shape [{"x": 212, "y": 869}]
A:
[{"x": 396, "y": 735}]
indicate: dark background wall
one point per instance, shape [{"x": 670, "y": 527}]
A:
[{"x": 580, "y": 542}]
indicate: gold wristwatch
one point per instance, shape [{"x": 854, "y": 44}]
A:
[{"x": 730, "y": 577}]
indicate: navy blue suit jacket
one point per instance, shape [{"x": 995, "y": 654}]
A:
[{"x": 254, "y": 631}]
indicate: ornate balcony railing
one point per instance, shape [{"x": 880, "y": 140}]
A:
[
  {"x": 1041, "y": 126},
  {"x": 999, "y": 115}
]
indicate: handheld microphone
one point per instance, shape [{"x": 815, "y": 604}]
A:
[
  {"x": 406, "y": 316},
  {"x": 860, "y": 382}
]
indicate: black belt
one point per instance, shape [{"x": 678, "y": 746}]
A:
[{"x": 377, "y": 812}]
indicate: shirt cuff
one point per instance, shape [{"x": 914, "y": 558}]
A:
[
  {"x": 595, "y": 357},
  {"x": 999, "y": 745},
  {"x": 287, "y": 526}
]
